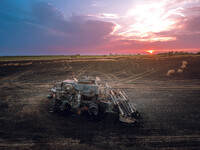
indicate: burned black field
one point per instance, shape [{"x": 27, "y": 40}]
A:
[{"x": 169, "y": 105}]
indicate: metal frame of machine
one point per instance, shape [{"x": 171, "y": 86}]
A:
[{"x": 94, "y": 97}]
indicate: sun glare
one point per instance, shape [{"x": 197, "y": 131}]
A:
[
  {"x": 150, "y": 51},
  {"x": 150, "y": 19}
]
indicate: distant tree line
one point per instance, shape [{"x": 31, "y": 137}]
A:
[
  {"x": 170, "y": 53},
  {"x": 77, "y": 55}
]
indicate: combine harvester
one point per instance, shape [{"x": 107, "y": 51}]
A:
[{"x": 92, "y": 96}]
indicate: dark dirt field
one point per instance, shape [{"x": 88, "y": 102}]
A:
[{"x": 169, "y": 105}]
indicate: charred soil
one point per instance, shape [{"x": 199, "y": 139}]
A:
[{"x": 169, "y": 104}]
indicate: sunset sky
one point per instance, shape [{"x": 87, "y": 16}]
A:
[{"x": 66, "y": 27}]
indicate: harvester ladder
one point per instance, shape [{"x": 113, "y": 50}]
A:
[{"x": 52, "y": 106}]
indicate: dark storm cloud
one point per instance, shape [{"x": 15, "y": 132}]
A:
[{"x": 44, "y": 29}]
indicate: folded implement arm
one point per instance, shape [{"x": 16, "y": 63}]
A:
[{"x": 127, "y": 112}]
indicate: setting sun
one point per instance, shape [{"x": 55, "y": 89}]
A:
[{"x": 150, "y": 51}]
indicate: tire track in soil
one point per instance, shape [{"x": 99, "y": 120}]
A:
[
  {"x": 81, "y": 71},
  {"x": 112, "y": 77},
  {"x": 149, "y": 72},
  {"x": 67, "y": 66},
  {"x": 141, "y": 75},
  {"x": 132, "y": 65},
  {"x": 108, "y": 77},
  {"x": 125, "y": 68},
  {"x": 18, "y": 101}
]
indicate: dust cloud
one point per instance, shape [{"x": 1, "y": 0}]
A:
[{"x": 180, "y": 70}]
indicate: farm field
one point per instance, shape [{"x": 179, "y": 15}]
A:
[{"x": 169, "y": 105}]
